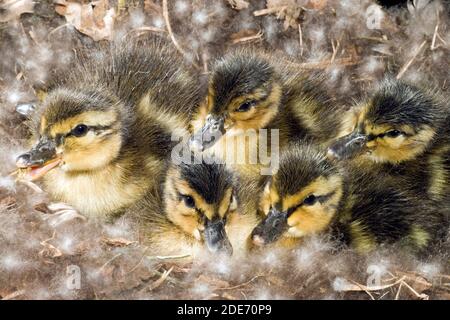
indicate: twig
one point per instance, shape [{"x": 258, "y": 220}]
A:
[
  {"x": 433, "y": 41},
  {"x": 14, "y": 295},
  {"x": 381, "y": 40},
  {"x": 326, "y": 63},
  {"x": 398, "y": 291},
  {"x": 364, "y": 288},
  {"x": 140, "y": 261},
  {"x": 169, "y": 28},
  {"x": 242, "y": 284},
  {"x": 335, "y": 50},
  {"x": 372, "y": 288},
  {"x": 263, "y": 12},
  {"x": 109, "y": 261},
  {"x": 436, "y": 35},
  {"x": 170, "y": 257},
  {"x": 31, "y": 185},
  {"x": 300, "y": 38},
  {"x": 57, "y": 29},
  {"x": 409, "y": 63},
  {"x": 205, "y": 58},
  {"x": 422, "y": 296},
  {"x": 160, "y": 281},
  {"x": 146, "y": 28},
  {"x": 249, "y": 38}
]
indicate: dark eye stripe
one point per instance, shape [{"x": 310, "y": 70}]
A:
[{"x": 320, "y": 199}]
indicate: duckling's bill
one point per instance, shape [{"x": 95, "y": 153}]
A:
[
  {"x": 271, "y": 228},
  {"x": 347, "y": 146},
  {"x": 209, "y": 134},
  {"x": 42, "y": 158}
]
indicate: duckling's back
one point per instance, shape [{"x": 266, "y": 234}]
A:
[
  {"x": 148, "y": 74},
  {"x": 309, "y": 102},
  {"x": 379, "y": 210}
]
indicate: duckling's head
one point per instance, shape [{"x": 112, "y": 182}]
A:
[
  {"x": 198, "y": 199},
  {"x": 78, "y": 131},
  {"x": 302, "y": 198},
  {"x": 244, "y": 93},
  {"x": 397, "y": 124}
]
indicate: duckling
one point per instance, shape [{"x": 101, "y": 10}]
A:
[
  {"x": 103, "y": 132},
  {"x": 403, "y": 130},
  {"x": 249, "y": 91},
  {"x": 310, "y": 195},
  {"x": 196, "y": 206}
]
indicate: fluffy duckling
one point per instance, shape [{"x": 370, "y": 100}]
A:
[
  {"x": 197, "y": 206},
  {"x": 249, "y": 91},
  {"x": 402, "y": 130},
  {"x": 311, "y": 195},
  {"x": 104, "y": 131}
]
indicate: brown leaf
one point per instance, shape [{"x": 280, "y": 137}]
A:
[
  {"x": 94, "y": 19},
  {"x": 316, "y": 4},
  {"x": 49, "y": 251},
  {"x": 215, "y": 282},
  {"x": 239, "y": 4},
  {"x": 42, "y": 207},
  {"x": 246, "y": 35},
  {"x": 289, "y": 10},
  {"x": 8, "y": 203},
  {"x": 117, "y": 242},
  {"x": 151, "y": 7},
  {"x": 14, "y": 295},
  {"x": 12, "y": 9}
]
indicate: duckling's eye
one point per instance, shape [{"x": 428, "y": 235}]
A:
[
  {"x": 310, "y": 200},
  {"x": 188, "y": 201},
  {"x": 246, "y": 106},
  {"x": 80, "y": 130},
  {"x": 393, "y": 133}
]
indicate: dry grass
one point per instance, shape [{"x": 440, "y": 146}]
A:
[{"x": 38, "y": 248}]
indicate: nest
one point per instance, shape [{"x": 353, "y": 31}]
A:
[{"x": 45, "y": 255}]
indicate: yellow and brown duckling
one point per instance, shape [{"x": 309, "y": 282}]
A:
[
  {"x": 103, "y": 133},
  {"x": 251, "y": 90},
  {"x": 310, "y": 195},
  {"x": 402, "y": 130},
  {"x": 196, "y": 207}
]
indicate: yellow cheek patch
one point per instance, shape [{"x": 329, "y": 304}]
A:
[
  {"x": 401, "y": 148},
  {"x": 265, "y": 200},
  {"x": 225, "y": 203},
  {"x": 43, "y": 124},
  {"x": 89, "y": 118},
  {"x": 189, "y": 223},
  {"x": 90, "y": 152},
  {"x": 308, "y": 220}
]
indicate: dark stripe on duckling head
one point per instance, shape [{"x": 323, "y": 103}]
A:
[
  {"x": 238, "y": 75},
  {"x": 299, "y": 166},
  {"x": 210, "y": 181},
  {"x": 399, "y": 103},
  {"x": 74, "y": 103}
]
